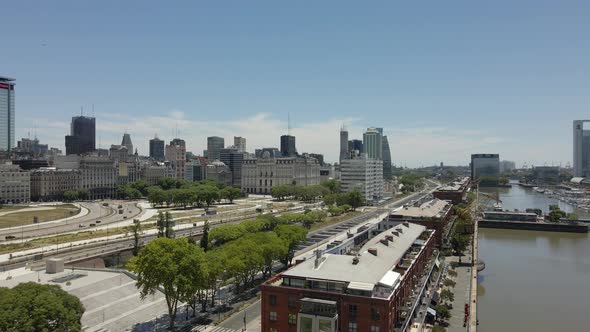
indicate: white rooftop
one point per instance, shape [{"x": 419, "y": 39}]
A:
[
  {"x": 371, "y": 269},
  {"x": 430, "y": 209}
]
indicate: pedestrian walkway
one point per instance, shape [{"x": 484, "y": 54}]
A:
[
  {"x": 461, "y": 291},
  {"x": 211, "y": 328}
]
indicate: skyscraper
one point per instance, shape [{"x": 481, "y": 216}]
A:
[
  {"x": 240, "y": 143},
  {"x": 7, "y": 140},
  {"x": 373, "y": 143},
  {"x": 344, "y": 154},
  {"x": 157, "y": 149},
  {"x": 233, "y": 158},
  {"x": 386, "y": 154},
  {"x": 126, "y": 142},
  {"x": 581, "y": 149},
  {"x": 82, "y": 138},
  {"x": 288, "y": 148},
  {"x": 214, "y": 146}
]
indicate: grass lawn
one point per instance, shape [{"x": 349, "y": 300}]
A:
[
  {"x": 8, "y": 248},
  {"x": 26, "y": 217},
  {"x": 334, "y": 220}
]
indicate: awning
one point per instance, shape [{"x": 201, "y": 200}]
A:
[
  {"x": 360, "y": 286},
  {"x": 431, "y": 312}
]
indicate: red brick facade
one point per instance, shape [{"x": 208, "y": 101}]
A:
[{"x": 367, "y": 312}]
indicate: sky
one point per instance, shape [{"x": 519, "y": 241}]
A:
[{"x": 443, "y": 78}]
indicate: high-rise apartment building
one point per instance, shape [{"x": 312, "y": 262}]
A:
[
  {"x": 581, "y": 149},
  {"x": 386, "y": 154},
  {"x": 7, "y": 138},
  {"x": 126, "y": 142},
  {"x": 176, "y": 155},
  {"x": 240, "y": 143},
  {"x": 288, "y": 148},
  {"x": 363, "y": 174},
  {"x": 373, "y": 143},
  {"x": 157, "y": 149},
  {"x": 82, "y": 138},
  {"x": 214, "y": 146},
  {"x": 344, "y": 154},
  {"x": 485, "y": 168}
]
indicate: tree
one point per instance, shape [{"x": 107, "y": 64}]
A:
[
  {"x": 83, "y": 194},
  {"x": 70, "y": 195},
  {"x": 225, "y": 233},
  {"x": 354, "y": 199},
  {"x": 169, "y": 222},
  {"x": 204, "y": 243},
  {"x": 271, "y": 247},
  {"x": 556, "y": 214},
  {"x": 332, "y": 185},
  {"x": 156, "y": 196},
  {"x": 447, "y": 296},
  {"x": 442, "y": 312},
  {"x": 449, "y": 283},
  {"x": 173, "y": 265},
  {"x": 230, "y": 193},
  {"x": 210, "y": 194},
  {"x": 34, "y": 307},
  {"x": 161, "y": 224},
  {"x": 572, "y": 216},
  {"x": 459, "y": 243},
  {"x": 136, "y": 227},
  {"x": 291, "y": 235},
  {"x": 438, "y": 328}
]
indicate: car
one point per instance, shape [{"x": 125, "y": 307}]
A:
[
  {"x": 105, "y": 204},
  {"x": 91, "y": 225},
  {"x": 10, "y": 237},
  {"x": 98, "y": 221},
  {"x": 81, "y": 226},
  {"x": 124, "y": 217}
]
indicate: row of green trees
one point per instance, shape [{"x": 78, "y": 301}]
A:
[
  {"x": 299, "y": 192},
  {"x": 179, "y": 193},
  {"x": 191, "y": 273},
  {"x": 75, "y": 195},
  {"x": 226, "y": 233}
]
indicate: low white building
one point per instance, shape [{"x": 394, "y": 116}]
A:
[
  {"x": 363, "y": 174},
  {"x": 15, "y": 185}
]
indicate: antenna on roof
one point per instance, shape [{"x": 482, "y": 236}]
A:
[
  {"x": 81, "y": 110},
  {"x": 92, "y": 109},
  {"x": 288, "y": 123}
]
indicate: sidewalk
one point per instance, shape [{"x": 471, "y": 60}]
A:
[{"x": 461, "y": 291}]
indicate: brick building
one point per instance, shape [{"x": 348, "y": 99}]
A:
[
  {"x": 454, "y": 192},
  {"x": 362, "y": 291},
  {"x": 434, "y": 214}
]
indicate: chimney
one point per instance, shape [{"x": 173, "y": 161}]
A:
[
  {"x": 389, "y": 238},
  {"x": 373, "y": 251},
  {"x": 355, "y": 260},
  {"x": 407, "y": 224},
  {"x": 384, "y": 242},
  {"x": 318, "y": 258}
]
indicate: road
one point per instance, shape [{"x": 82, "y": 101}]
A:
[
  {"x": 252, "y": 312},
  {"x": 106, "y": 215}
]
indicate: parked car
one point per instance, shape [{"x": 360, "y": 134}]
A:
[{"x": 98, "y": 221}]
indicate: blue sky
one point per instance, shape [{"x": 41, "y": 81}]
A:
[{"x": 445, "y": 78}]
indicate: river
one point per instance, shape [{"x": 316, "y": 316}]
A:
[{"x": 533, "y": 281}]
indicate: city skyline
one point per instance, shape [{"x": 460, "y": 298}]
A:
[{"x": 445, "y": 86}]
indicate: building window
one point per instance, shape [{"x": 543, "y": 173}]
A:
[
  {"x": 273, "y": 299},
  {"x": 273, "y": 316},
  {"x": 375, "y": 314},
  {"x": 292, "y": 319},
  {"x": 374, "y": 328},
  {"x": 352, "y": 310},
  {"x": 352, "y": 327},
  {"x": 292, "y": 302}
]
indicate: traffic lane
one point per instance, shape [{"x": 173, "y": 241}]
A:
[{"x": 251, "y": 315}]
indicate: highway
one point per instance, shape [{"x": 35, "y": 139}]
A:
[{"x": 96, "y": 211}]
